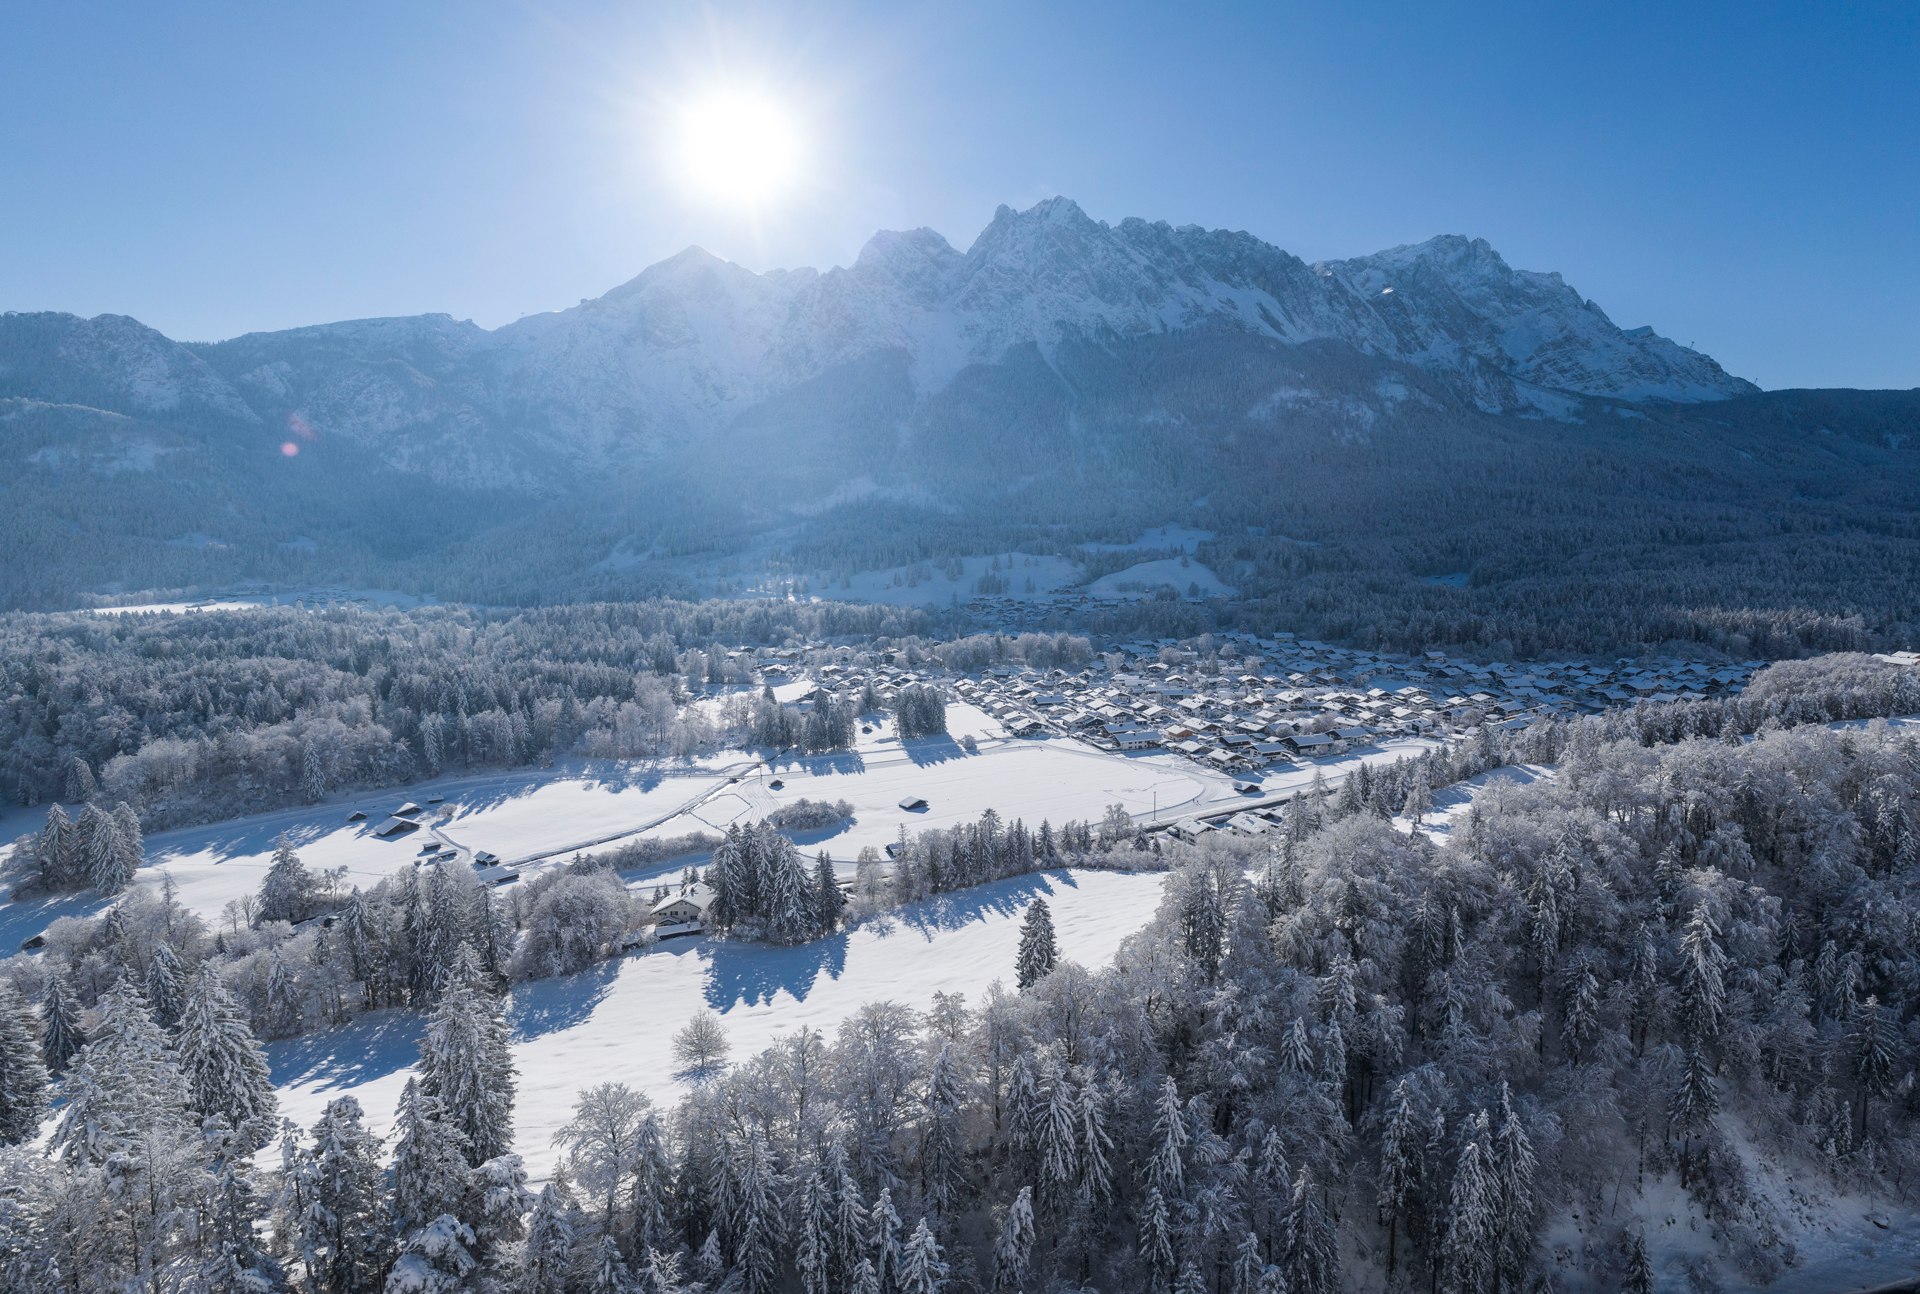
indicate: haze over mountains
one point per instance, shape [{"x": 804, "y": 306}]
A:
[{"x": 1062, "y": 379}]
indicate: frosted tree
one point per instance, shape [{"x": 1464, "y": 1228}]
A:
[
  {"x": 59, "y": 849},
  {"x": 652, "y": 1187},
  {"x": 829, "y": 900},
  {"x": 1312, "y": 1246},
  {"x": 1401, "y": 1144},
  {"x": 123, "y": 1085},
  {"x": 225, "y": 1068},
  {"x": 1703, "y": 990},
  {"x": 466, "y": 1061},
  {"x": 1095, "y": 1147},
  {"x": 132, "y": 844},
  {"x": 61, "y": 1034},
  {"x": 165, "y": 990},
  {"x": 1873, "y": 1037},
  {"x": 81, "y": 785},
  {"x": 813, "y": 1257},
  {"x": 758, "y": 1220},
  {"x": 602, "y": 1142},
  {"x": 941, "y": 1135},
  {"x": 701, "y": 1047},
  {"x": 1469, "y": 1248},
  {"x": 436, "y": 1259},
  {"x": 850, "y": 1222},
  {"x": 110, "y": 866},
  {"x": 1013, "y": 1247},
  {"x": 885, "y": 1248},
  {"x": 923, "y": 1270},
  {"x": 288, "y": 890},
  {"x": 498, "y": 1200},
  {"x": 429, "y": 1162},
  {"x": 1039, "y": 950},
  {"x": 1692, "y": 1106},
  {"x": 313, "y": 773},
  {"x": 1156, "y": 1236},
  {"x": 23, "y": 1070},
  {"x": 1514, "y": 1169},
  {"x": 546, "y": 1260},
  {"x": 1166, "y": 1160},
  {"x": 1638, "y": 1276},
  {"x": 335, "y": 1219}
]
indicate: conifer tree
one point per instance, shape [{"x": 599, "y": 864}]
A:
[
  {"x": 829, "y": 901},
  {"x": 1013, "y": 1248},
  {"x": 437, "y": 1259},
  {"x": 547, "y": 1258},
  {"x": 1039, "y": 950},
  {"x": 61, "y": 1035},
  {"x": 429, "y": 1162},
  {"x": 466, "y": 1061},
  {"x": 225, "y": 1068},
  {"x": 165, "y": 990},
  {"x": 288, "y": 889},
  {"x": 923, "y": 1270},
  {"x": 338, "y": 1225},
  {"x": 885, "y": 1246},
  {"x": 23, "y": 1070}
]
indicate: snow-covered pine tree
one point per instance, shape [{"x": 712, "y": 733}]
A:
[
  {"x": 1166, "y": 1161},
  {"x": 758, "y": 1222},
  {"x": 546, "y": 1260},
  {"x": 813, "y": 1257},
  {"x": 225, "y": 1067},
  {"x": 1312, "y": 1264},
  {"x": 132, "y": 844},
  {"x": 885, "y": 1245},
  {"x": 429, "y": 1162},
  {"x": 652, "y": 1187},
  {"x": 123, "y": 1085},
  {"x": 499, "y": 1201},
  {"x": 106, "y": 854},
  {"x": 165, "y": 989},
  {"x": 23, "y": 1070},
  {"x": 1155, "y": 1244},
  {"x": 1468, "y": 1252},
  {"x": 58, "y": 853},
  {"x": 941, "y": 1146},
  {"x": 923, "y": 1269},
  {"x": 1013, "y": 1247},
  {"x": 287, "y": 891},
  {"x": 437, "y": 1259},
  {"x": 829, "y": 900},
  {"x": 61, "y": 1034},
  {"x": 333, "y": 1208},
  {"x": 466, "y": 1061},
  {"x": 1039, "y": 950}
]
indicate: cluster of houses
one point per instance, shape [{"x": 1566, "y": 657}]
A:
[{"x": 1255, "y": 702}]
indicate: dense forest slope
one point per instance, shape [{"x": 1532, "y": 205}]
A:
[{"x": 1350, "y": 430}]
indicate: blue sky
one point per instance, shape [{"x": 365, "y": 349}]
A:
[{"x": 1742, "y": 177}]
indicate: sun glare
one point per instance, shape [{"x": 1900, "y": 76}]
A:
[{"x": 739, "y": 147}]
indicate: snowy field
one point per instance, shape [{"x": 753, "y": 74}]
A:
[
  {"x": 615, "y": 1022},
  {"x": 547, "y": 815},
  {"x": 315, "y": 597},
  {"x": 1142, "y": 578}
]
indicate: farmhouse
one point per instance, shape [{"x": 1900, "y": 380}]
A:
[
  {"x": 395, "y": 826},
  {"x": 913, "y": 803},
  {"x": 689, "y": 907}
]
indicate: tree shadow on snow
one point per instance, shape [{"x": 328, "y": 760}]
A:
[
  {"x": 545, "y": 1006},
  {"x": 749, "y": 974},
  {"x": 926, "y": 751},
  {"x": 1006, "y": 898},
  {"x": 371, "y": 1047},
  {"x": 837, "y": 763}
]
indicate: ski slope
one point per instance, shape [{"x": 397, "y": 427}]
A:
[{"x": 615, "y": 1022}]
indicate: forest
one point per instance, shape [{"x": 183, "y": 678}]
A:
[{"x": 1667, "y": 987}]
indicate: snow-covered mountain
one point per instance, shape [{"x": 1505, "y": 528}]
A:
[{"x": 695, "y": 344}]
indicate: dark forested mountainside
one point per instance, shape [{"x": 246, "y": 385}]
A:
[{"x": 703, "y": 427}]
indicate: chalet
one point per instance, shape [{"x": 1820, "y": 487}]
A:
[
  {"x": 394, "y": 827},
  {"x": 1308, "y": 743},
  {"x": 914, "y": 804},
  {"x": 407, "y": 810},
  {"x": 685, "y": 912},
  {"x": 356, "y": 816}
]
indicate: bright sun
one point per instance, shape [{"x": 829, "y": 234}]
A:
[{"x": 739, "y": 147}]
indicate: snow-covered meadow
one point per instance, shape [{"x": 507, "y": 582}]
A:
[{"x": 615, "y": 1021}]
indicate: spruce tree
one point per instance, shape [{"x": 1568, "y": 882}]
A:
[
  {"x": 61, "y": 1034},
  {"x": 922, "y": 1268},
  {"x": 225, "y": 1067},
  {"x": 23, "y": 1071},
  {"x": 165, "y": 990},
  {"x": 829, "y": 900},
  {"x": 1039, "y": 951},
  {"x": 466, "y": 1061},
  {"x": 429, "y": 1162},
  {"x": 338, "y": 1226},
  {"x": 288, "y": 889},
  {"x": 1013, "y": 1248},
  {"x": 547, "y": 1258}
]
